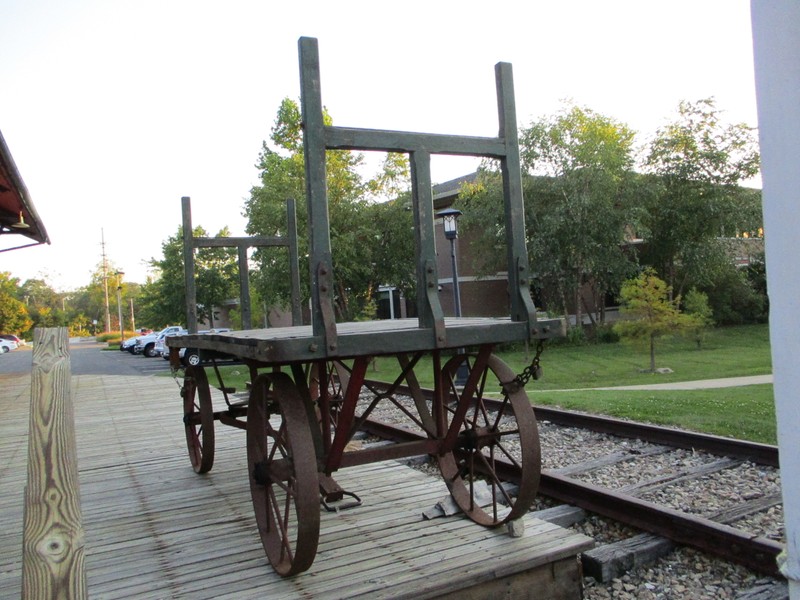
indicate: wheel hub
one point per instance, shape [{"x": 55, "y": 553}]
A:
[
  {"x": 261, "y": 474},
  {"x": 474, "y": 439}
]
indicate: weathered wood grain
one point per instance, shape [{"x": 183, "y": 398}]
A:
[{"x": 53, "y": 540}]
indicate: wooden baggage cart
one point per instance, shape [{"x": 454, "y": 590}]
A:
[{"x": 308, "y": 399}]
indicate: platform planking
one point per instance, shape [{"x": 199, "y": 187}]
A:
[{"x": 155, "y": 529}]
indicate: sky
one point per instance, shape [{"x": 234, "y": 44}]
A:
[{"x": 115, "y": 109}]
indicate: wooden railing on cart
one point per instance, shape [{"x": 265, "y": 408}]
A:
[{"x": 53, "y": 540}]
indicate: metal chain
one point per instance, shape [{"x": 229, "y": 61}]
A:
[
  {"x": 176, "y": 373},
  {"x": 532, "y": 371}
]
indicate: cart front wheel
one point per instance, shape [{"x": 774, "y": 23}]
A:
[
  {"x": 488, "y": 441},
  {"x": 198, "y": 419},
  {"x": 283, "y": 473}
]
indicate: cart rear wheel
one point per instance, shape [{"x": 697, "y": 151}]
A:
[
  {"x": 487, "y": 441},
  {"x": 198, "y": 419},
  {"x": 283, "y": 473}
]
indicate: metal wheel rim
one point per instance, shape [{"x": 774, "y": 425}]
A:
[
  {"x": 463, "y": 465},
  {"x": 199, "y": 434},
  {"x": 282, "y": 467}
]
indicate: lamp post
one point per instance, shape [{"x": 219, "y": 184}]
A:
[
  {"x": 449, "y": 218},
  {"x": 450, "y": 223},
  {"x": 119, "y": 275}
]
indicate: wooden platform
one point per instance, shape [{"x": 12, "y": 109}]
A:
[{"x": 154, "y": 529}]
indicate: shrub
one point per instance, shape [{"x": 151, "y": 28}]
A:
[{"x": 605, "y": 334}]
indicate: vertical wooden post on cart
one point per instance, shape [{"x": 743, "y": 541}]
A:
[
  {"x": 242, "y": 244},
  {"x": 318, "y": 138}
]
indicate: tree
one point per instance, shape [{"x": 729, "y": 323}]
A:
[
  {"x": 13, "y": 313},
  {"x": 695, "y": 165},
  {"x": 43, "y": 303},
  {"x": 163, "y": 300},
  {"x": 577, "y": 206},
  {"x": 86, "y": 307},
  {"x": 696, "y": 304},
  {"x": 355, "y": 243},
  {"x": 393, "y": 235},
  {"x": 650, "y": 311}
]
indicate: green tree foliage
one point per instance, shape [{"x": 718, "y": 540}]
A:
[
  {"x": 163, "y": 300},
  {"x": 650, "y": 313},
  {"x": 14, "y": 316},
  {"x": 356, "y": 244},
  {"x": 85, "y": 308},
  {"x": 44, "y": 305},
  {"x": 733, "y": 298},
  {"x": 576, "y": 202},
  {"x": 695, "y": 303},
  {"x": 692, "y": 197},
  {"x": 393, "y": 244}
]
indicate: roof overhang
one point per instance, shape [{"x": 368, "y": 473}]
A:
[{"x": 17, "y": 213}]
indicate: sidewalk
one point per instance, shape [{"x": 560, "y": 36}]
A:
[{"x": 697, "y": 385}]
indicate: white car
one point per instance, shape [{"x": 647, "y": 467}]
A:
[
  {"x": 7, "y": 345},
  {"x": 161, "y": 349},
  {"x": 194, "y": 356},
  {"x": 147, "y": 344},
  {"x": 128, "y": 345}
]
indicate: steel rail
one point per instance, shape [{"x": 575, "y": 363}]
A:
[
  {"x": 762, "y": 454},
  {"x": 755, "y": 552}
]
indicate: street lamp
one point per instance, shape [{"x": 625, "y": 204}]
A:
[
  {"x": 119, "y": 275},
  {"x": 449, "y": 218}
]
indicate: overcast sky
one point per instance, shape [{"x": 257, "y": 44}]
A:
[{"x": 115, "y": 109}]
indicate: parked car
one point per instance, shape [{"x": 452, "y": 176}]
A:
[
  {"x": 161, "y": 349},
  {"x": 194, "y": 356},
  {"x": 11, "y": 338},
  {"x": 128, "y": 344},
  {"x": 146, "y": 344},
  {"x": 7, "y": 345}
]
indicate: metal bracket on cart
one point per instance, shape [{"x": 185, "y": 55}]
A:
[{"x": 331, "y": 492}]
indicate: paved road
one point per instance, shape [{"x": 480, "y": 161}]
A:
[{"x": 89, "y": 358}]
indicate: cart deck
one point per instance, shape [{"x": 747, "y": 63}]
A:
[{"x": 283, "y": 345}]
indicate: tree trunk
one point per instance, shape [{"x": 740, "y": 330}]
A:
[{"x": 652, "y": 353}]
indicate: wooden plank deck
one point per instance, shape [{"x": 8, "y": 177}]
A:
[
  {"x": 155, "y": 529},
  {"x": 280, "y": 345}
]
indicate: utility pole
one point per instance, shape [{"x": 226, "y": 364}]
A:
[{"x": 105, "y": 279}]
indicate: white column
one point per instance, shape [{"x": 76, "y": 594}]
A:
[{"x": 776, "y": 44}]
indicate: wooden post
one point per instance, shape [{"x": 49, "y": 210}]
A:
[
  {"x": 188, "y": 265},
  {"x": 53, "y": 540}
]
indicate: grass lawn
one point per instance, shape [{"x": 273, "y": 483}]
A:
[
  {"x": 726, "y": 352},
  {"x": 745, "y": 413}
]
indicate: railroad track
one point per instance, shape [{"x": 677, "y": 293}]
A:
[{"x": 713, "y": 533}]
